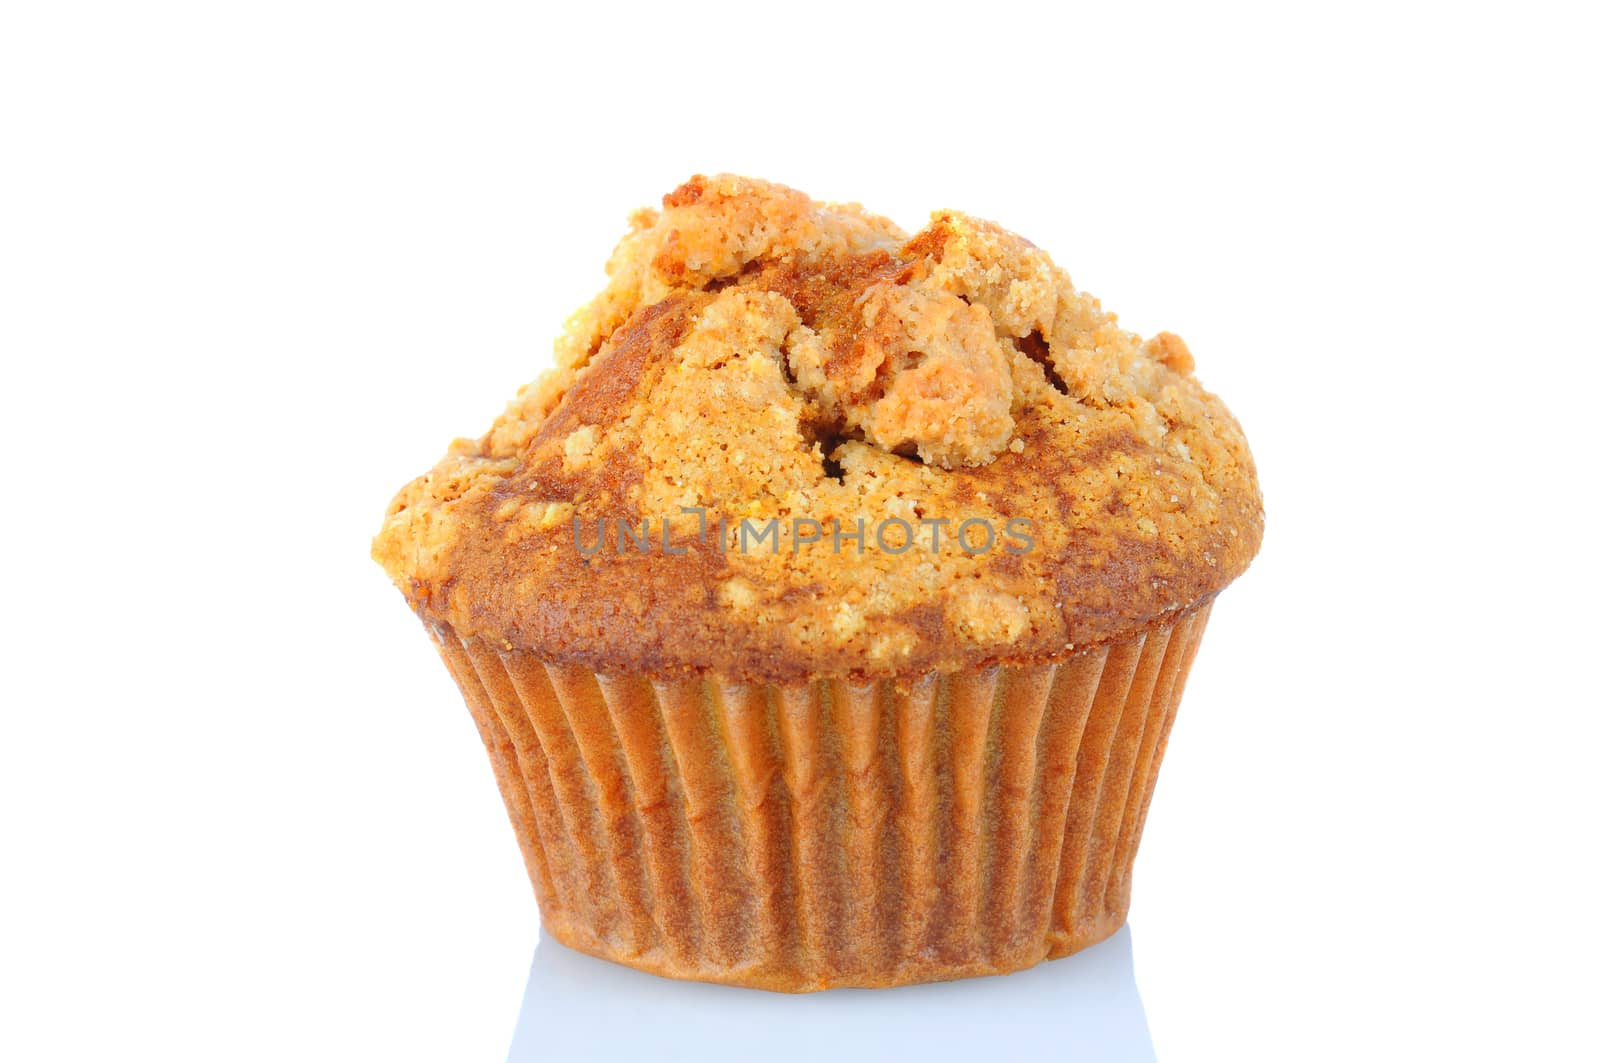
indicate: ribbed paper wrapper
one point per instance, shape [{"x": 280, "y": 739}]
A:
[{"x": 831, "y": 834}]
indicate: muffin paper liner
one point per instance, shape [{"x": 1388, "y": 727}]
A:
[{"x": 831, "y": 834}]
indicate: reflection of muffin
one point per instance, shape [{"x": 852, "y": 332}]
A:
[{"x": 826, "y": 608}]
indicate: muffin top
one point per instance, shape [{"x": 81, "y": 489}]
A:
[{"x": 786, "y": 440}]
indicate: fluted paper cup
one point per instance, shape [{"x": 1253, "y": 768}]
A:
[{"x": 831, "y": 834}]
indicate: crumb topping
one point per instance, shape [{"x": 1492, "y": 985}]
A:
[{"x": 759, "y": 359}]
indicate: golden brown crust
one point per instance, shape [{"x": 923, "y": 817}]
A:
[{"x": 760, "y": 357}]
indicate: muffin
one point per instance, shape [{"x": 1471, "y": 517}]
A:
[{"x": 826, "y": 608}]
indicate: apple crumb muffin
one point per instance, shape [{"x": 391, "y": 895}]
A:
[{"x": 825, "y": 609}]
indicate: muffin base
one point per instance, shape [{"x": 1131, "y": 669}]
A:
[{"x": 798, "y": 838}]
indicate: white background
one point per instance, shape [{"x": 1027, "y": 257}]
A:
[{"x": 260, "y": 262}]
